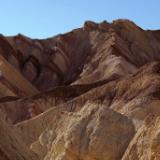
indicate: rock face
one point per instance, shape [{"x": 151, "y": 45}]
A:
[
  {"x": 12, "y": 146},
  {"x": 146, "y": 143},
  {"x": 95, "y": 132},
  {"x": 90, "y": 94}
]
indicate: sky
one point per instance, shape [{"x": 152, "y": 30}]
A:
[{"x": 46, "y": 18}]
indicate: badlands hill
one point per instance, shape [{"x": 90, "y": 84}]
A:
[{"x": 90, "y": 94}]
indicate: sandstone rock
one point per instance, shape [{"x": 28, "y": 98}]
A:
[
  {"x": 84, "y": 135},
  {"x": 146, "y": 142}
]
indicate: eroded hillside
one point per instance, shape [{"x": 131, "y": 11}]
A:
[{"x": 90, "y": 94}]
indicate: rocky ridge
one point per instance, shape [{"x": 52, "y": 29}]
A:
[{"x": 89, "y": 94}]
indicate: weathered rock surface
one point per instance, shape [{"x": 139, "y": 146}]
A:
[
  {"x": 90, "y": 94},
  {"x": 12, "y": 146},
  {"x": 95, "y": 132},
  {"x": 146, "y": 142}
]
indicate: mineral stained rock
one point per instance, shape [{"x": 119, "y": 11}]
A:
[{"x": 89, "y": 94}]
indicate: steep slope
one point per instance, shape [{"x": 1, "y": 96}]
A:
[
  {"x": 16, "y": 79},
  {"x": 86, "y": 136},
  {"x": 146, "y": 142},
  {"x": 135, "y": 101},
  {"x": 97, "y": 51},
  {"x": 92, "y": 93},
  {"x": 12, "y": 147}
]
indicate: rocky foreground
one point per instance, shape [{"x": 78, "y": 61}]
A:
[{"x": 90, "y": 94}]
